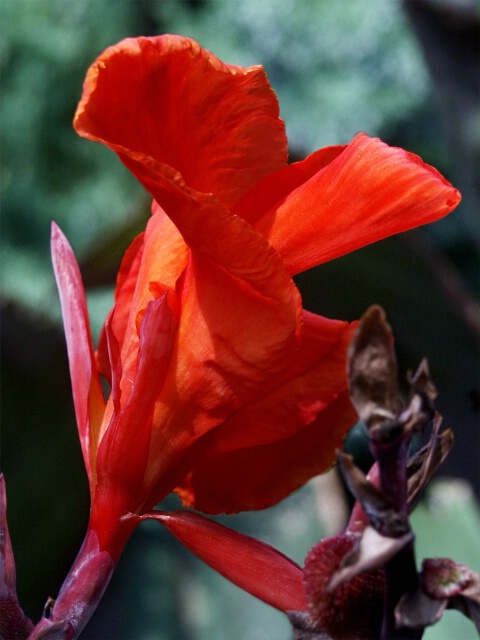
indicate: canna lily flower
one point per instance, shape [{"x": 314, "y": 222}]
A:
[{"x": 223, "y": 388}]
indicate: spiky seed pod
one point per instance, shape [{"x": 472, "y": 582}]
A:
[{"x": 354, "y": 610}]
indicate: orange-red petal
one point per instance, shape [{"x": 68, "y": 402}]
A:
[
  {"x": 240, "y": 320},
  {"x": 270, "y": 192},
  {"x": 156, "y": 268},
  {"x": 259, "y": 476},
  {"x": 124, "y": 290},
  {"x": 368, "y": 192},
  {"x": 240, "y": 310},
  {"x": 165, "y": 100},
  {"x": 282, "y": 438}
]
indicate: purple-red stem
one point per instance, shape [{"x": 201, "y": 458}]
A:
[
  {"x": 80, "y": 594},
  {"x": 400, "y": 572}
]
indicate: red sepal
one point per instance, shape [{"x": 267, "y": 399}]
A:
[
  {"x": 252, "y": 565},
  {"x": 87, "y": 393}
]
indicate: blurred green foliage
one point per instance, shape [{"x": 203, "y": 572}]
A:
[
  {"x": 338, "y": 68},
  {"x": 47, "y": 172},
  {"x": 326, "y": 60},
  {"x": 447, "y": 525}
]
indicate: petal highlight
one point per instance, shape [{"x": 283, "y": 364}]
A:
[
  {"x": 124, "y": 290},
  {"x": 368, "y": 192},
  {"x": 240, "y": 320}
]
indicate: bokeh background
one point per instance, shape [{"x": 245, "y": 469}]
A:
[{"x": 405, "y": 71}]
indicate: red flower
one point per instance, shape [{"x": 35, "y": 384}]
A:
[{"x": 223, "y": 388}]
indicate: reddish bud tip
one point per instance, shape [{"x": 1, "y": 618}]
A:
[{"x": 443, "y": 578}]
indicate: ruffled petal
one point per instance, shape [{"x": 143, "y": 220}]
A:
[
  {"x": 252, "y": 565},
  {"x": 87, "y": 393},
  {"x": 368, "y": 192},
  {"x": 283, "y": 438},
  {"x": 258, "y": 477},
  {"x": 166, "y": 100},
  {"x": 240, "y": 320},
  {"x": 241, "y": 312}
]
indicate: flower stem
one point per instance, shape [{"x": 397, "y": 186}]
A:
[
  {"x": 400, "y": 572},
  {"x": 80, "y": 594}
]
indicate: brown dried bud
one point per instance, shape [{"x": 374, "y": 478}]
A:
[{"x": 372, "y": 371}]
